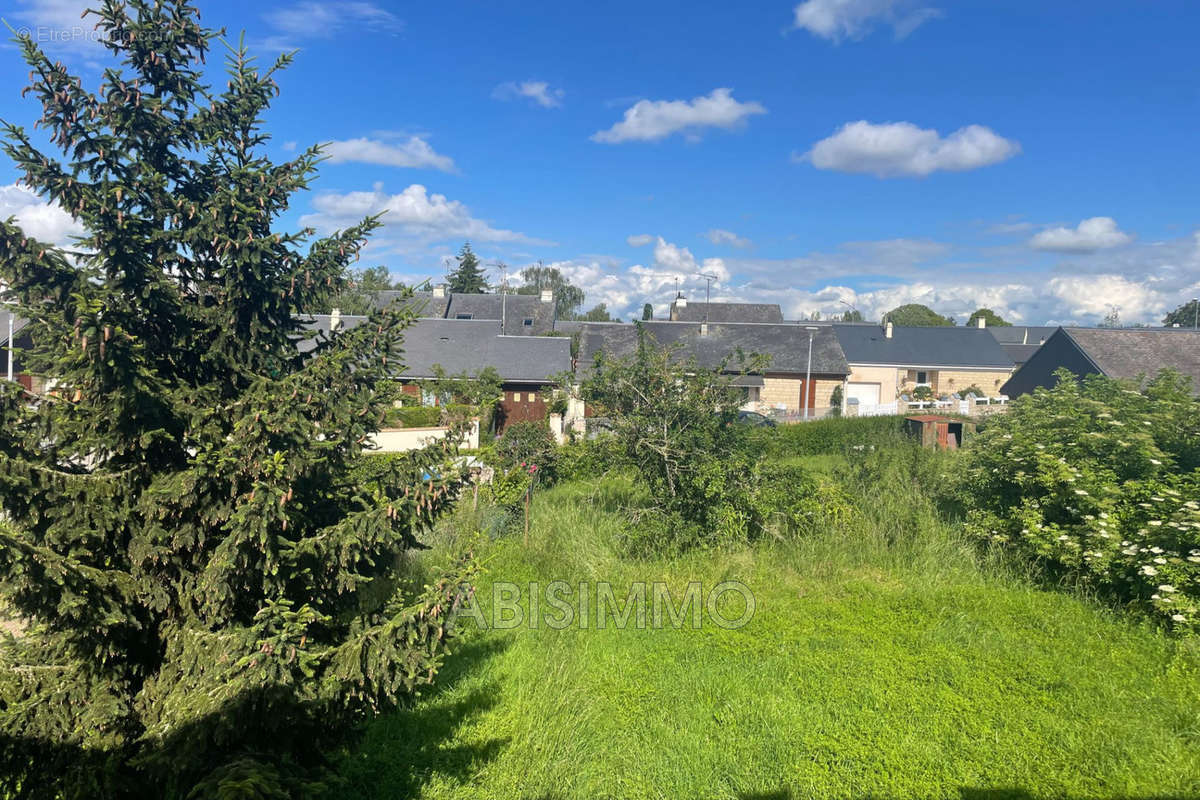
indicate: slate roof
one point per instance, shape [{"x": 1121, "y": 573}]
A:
[
  {"x": 787, "y": 345},
  {"x": 465, "y": 346},
  {"x": 726, "y": 312},
  {"x": 1021, "y": 334},
  {"x": 1020, "y": 353},
  {"x": 934, "y": 347},
  {"x": 18, "y": 324},
  {"x": 1130, "y": 352},
  {"x": 321, "y": 324},
  {"x": 423, "y": 304},
  {"x": 469, "y": 346},
  {"x": 514, "y": 309}
]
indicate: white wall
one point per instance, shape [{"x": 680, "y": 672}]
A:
[{"x": 399, "y": 440}]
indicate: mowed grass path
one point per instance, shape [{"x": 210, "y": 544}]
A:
[{"x": 870, "y": 670}]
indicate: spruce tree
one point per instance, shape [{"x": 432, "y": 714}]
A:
[
  {"x": 207, "y": 595},
  {"x": 468, "y": 278}
]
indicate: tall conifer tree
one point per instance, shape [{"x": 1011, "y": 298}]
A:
[
  {"x": 206, "y": 593},
  {"x": 468, "y": 277}
]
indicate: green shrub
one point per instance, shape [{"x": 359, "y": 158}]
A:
[
  {"x": 674, "y": 422},
  {"x": 830, "y": 436},
  {"x": 799, "y": 502},
  {"x": 413, "y": 417},
  {"x": 508, "y": 487},
  {"x": 835, "y": 401},
  {"x": 922, "y": 393},
  {"x": 972, "y": 389},
  {"x": 1099, "y": 482},
  {"x": 526, "y": 444},
  {"x": 589, "y": 459}
]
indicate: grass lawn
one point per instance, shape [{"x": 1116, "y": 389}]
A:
[{"x": 875, "y": 666}]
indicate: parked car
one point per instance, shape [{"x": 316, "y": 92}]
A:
[{"x": 755, "y": 419}]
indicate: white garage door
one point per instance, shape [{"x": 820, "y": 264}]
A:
[{"x": 867, "y": 394}]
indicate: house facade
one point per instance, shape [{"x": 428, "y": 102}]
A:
[
  {"x": 15, "y": 342},
  {"x": 787, "y": 384},
  {"x": 529, "y": 367},
  {"x": 888, "y": 362}
]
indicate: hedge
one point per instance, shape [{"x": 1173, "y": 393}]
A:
[{"x": 829, "y": 436}]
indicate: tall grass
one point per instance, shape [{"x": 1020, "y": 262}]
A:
[{"x": 887, "y": 658}]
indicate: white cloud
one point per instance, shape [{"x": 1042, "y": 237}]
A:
[
  {"x": 1093, "y": 296},
  {"x": 1143, "y": 281},
  {"x": 625, "y": 289},
  {"x": 41, "y": 220},
  {"x": 539, "y": 92},
  {"x": 1010, "y": 227},
  {"x": 679, "y": 260},
  {"x": 412, "y": 212},
  {"x": 639, "y": 240},
  {"x": 58, "y": 26},
  {"x": 901, "y": 149},
  {"x": 325, "y": 20},
  {"x": 1096, "y": 233},
  {"x": 853, "y": 19},
  {"x": 289, "y": 146},
  {"x": 413, "y": 152},
  {"x": 718, "y": 236},
  {"x": 650, "y": 120}
]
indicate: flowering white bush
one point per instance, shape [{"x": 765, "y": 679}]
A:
[{"x": 1100, "y": 481}]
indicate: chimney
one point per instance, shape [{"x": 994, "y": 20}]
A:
[
  {"x": 439, "y": 290},
  {"x": 547, "y": 295},
  {"x": 335, "y": 320},
  {"x": 887, "y": 330},
  {"x": 681, "y": 302},
  {"x": 981, "y": 322}
]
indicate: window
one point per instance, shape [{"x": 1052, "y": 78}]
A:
[
  {"x": 922, "y": 377},
  {"x": 527, "y": 322},
  {"x": 462, "y": 316}
]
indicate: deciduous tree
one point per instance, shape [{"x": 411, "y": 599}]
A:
[
  {"x": 916, "y": 315},
  {"x": 567, "y": 296},
  {"x": 1186, "y": 316},
  {"x": 990, "y": 318}
]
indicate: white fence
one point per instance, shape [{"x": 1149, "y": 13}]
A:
[
  {"x": 880, "y": 410},
  {"x": 972, "y": 407}
]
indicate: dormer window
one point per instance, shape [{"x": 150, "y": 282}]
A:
[
  {"x": 527, "y": 322},
  {"x": 462, "y": 316}
]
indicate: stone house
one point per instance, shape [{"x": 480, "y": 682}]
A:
[
  {"x": 780, "y": 386},
  {"x": 888, "y": 361}
]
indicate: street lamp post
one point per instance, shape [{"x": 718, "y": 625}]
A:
[
  {"x": 807, "y": 393},
  {"x": 1196, "y": 313},
  {"x": 10, "y": 345}
]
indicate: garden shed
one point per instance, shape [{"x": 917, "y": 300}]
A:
[{"x": 933, "y": 430}]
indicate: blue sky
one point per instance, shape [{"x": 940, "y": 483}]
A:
[{"x": 1036, "y": 157}]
